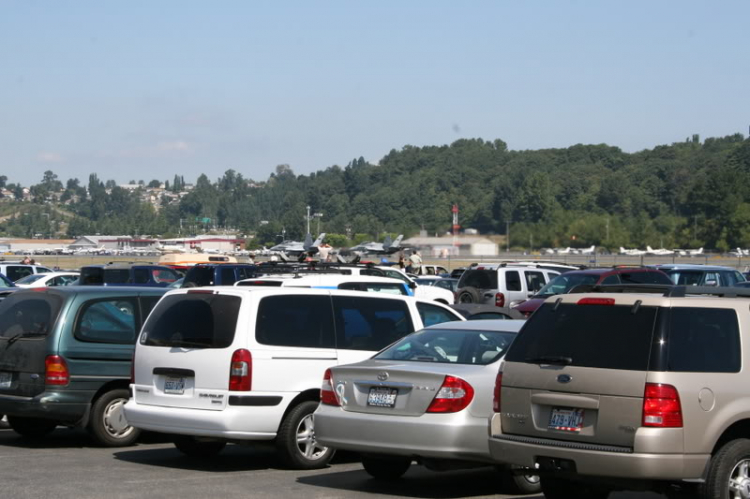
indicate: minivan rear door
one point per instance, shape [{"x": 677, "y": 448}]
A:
[
  {"x": 185, "y": 349},
  {"x": 27, "y": 322},
  {"x": 577, "y": 372}
]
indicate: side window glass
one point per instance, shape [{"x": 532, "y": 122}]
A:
[
  {"x": 295, "y": 321},
  {"x": 613, "y": 279},
  {"x": 703, "y": 340},
  {"x": 432, "y": 314},
  {"x": 512, "y": 281},
  {"x": 16, "y": 272},
  {"x": 534, "y": 281},
  {"x": 711, "y": 279},
  {"x": 147, "y": 305},
  {"x": 140, "y": 276},
  {"x": 163, "y": 275},
  {"x": 396, "y": 275},
  {"x": 227, "y": 276},
  {"x": 370, "y": 323},
  {"x": 107, "y": 321}
]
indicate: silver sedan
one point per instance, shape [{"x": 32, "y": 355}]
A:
[{"x": 427, "y": 397}]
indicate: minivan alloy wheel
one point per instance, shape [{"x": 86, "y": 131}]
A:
[
  {"x": 306, "y": 442},
  {"x": 739, "y": 480}
]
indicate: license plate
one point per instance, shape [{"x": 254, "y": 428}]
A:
[
  {"x": 566, "y": 419},
  {"x": 381, "y": 396},
  {"x": 174, "y": 385},
  {"x": 5, "y": 379}
]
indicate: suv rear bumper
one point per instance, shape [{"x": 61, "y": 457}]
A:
[
  {"x": 591, "y": 462},
  {"x": 63, "y": 406}
]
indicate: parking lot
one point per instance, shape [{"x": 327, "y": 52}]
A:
[{"x": 67, "y": 464}]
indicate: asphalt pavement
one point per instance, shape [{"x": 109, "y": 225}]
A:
[{"x": 68, "y": 464}]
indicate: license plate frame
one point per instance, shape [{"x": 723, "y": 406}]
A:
[
  {"x": 6, "y": 379},
  {"x": 567, "y": 419},
  {"x": 382, "y": 396},
  {"x": 174, "y": 385}
]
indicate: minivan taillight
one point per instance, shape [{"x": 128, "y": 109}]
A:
[
  {"x": 327, "y": 395},
  {"x": 499, "y": 300},
  {"x": 661, "y": 406},
  {"x": 241, "y": 371},
  {"x": 498, "y": 389},
  {"x": 454, "y": 395},
  {"x": 56, "y": 371}
]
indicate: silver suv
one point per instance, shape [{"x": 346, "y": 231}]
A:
[
  {"x": 502, "y": 284},
  {"x": 612, "y": 390}
]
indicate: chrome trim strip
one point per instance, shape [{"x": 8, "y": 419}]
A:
[{"x": 561, "y": 443}]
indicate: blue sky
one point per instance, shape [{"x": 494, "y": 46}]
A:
[{"x": 140, "y": 90}]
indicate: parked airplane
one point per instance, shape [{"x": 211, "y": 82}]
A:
[
  {"x": 170, "y": 248},
  {"x": 387, "y": 247},
  {"x": 740, "y": 252},
  {"x": 689, "y": 252},
  {"x": 659, "y": 252},
  {"x": 586, "y": 251},
  {"x": 631, "y": 252},
  {"x": 298, "y": 249}
]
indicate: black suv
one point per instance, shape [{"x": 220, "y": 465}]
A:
[
  {"x": 218, "y": 274},
  {"x": 118, "y": 274}
]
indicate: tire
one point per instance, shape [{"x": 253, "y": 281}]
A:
[
  {"x": 31, "y": 427},
  {"x": 469, "y": 295},
  {"x": 560, "y": 488},
  {"x": 296, "y": 443},
  {"x": 730, "y": 463},
  {"x": 198, "y": 449},
  {"x": 108, "y": 425},
  {"x": 386, "y": 468},
  {"x": 519, "y": 484}
]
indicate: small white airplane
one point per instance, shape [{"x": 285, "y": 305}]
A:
[
  {"x": 169, "y": 248},
  {"x": 740, "y": 252},
  {"x": 586, "y": 251},
  {"x": 689, "y": 252},
  {"x": 564, "y": 251},
  {"x": 659, "y": 252},
  {"x": 631, "y": 252}
]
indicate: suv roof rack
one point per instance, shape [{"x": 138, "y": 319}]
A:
[{"x": 666, "y": 290}]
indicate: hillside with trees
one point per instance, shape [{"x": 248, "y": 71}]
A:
[{"x": 686, "y": 194}]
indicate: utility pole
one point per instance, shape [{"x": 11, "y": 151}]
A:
[
  {"x": 607, "y": 238},
  {"x": 308, "y": 219}
]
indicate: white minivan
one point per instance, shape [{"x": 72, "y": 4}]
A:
[{"x": 223, "y": 364}]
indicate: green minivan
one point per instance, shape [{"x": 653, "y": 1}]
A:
[{"x": 65, "y": 358}]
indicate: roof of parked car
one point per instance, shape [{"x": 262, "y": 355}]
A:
[
  {"x": 690, "y": 266},
  {"x": 93, "y": 290},
  {"x": 484, "y": 325}
]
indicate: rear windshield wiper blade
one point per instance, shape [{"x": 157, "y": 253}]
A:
[
  {"x": 550, "y": 359},
  {"x": 18, "y": 336}
]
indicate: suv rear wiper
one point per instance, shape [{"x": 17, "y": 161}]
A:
[
  {"x": 550, "y": 359},
  {"x": 18, "y": 336}
]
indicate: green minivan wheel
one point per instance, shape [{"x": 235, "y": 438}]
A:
[{"x": 108, "y": 425}]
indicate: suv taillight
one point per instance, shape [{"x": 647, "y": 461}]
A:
[
  {"x": 241, "y": 371},
  {"x": 661, "y": 406},
  {"x": 499, "y": 300},
  {"x": 454, "y": 395},
  {"x": 56, "y": 371},
  {"x": 498, "y": 389},
  {"x": 327, "y": 395}
]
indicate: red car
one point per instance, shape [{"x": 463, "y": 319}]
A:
[{"x": 564, "y": 283}]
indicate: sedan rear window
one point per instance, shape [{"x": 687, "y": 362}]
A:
[
  {"x": 192, "y": 321},
  {"x": 602, "y": 336},
  {"x": 450, "y": 346}
]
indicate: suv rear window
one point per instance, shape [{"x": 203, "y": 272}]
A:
[
  {"x": 482, "y": 279},
  {"x": 192, "y": 320},
  {"x": 28, "y": 316},
  {"x": 609, "y": 337}
]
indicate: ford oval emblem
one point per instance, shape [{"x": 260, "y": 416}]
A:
[
  {"x": 564, "y": 378},
  {"x": 383, "y": 376}
]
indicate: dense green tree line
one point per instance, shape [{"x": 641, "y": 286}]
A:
[{"x": 686, "y": 194}]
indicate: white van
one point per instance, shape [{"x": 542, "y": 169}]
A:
[{"x": 222, "y": 364}]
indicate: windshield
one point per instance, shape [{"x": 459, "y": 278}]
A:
[
  {"x": 564, "y": 283},
  {"x": 5, "y": 282},
  {"x": 450, "y": 346},
  {"x": 30, "y": 279}
]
